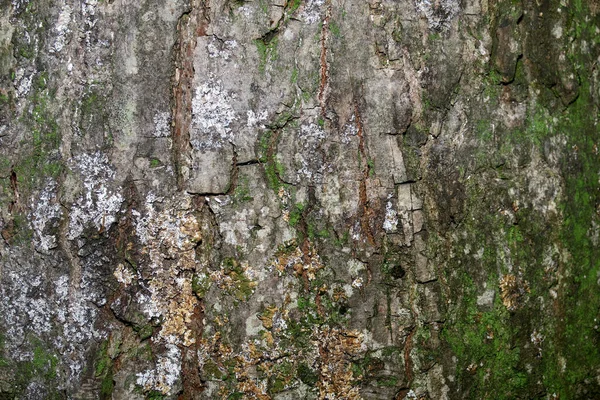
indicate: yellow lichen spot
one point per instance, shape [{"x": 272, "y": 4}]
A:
[
  {"x": 267, "y": 317},
  {"x": 513, "y": 290}
]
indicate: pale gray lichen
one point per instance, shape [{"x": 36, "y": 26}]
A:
[
  {"x": 23, "y": 82},
  {"x": 88, "y": 10},
  {"x": 212, "y": 116},
  {"x": 439, "y": 13},
  {"x": 62, "y": 28},
  {"x": 390, "y": 223},
  {"x": 162, "y": 124},
  {"x": 254, "y": 120},
  {"x": 27, "y": 308},
  {"x": 350, "y": 130},
  {"x": 312, "y": 11},
  {"x": 217, "y": 48},
  {"x": 45, "y": 213},
  {"x": 166, "y": 373},
  {"x": 124, "y": 275},
  {"x": 311, "y": 166},
  {"x": 99, "y": 204}
]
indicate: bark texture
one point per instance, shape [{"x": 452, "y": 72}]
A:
[{"x": 299, "y": 199}]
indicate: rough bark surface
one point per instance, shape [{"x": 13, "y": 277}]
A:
[{"x": 299, "y": 199}]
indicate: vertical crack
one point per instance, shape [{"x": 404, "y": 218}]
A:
[
  {"x": 367, "y": 214},
  {"x": 324, "y": 83},
  {"x": 190, "y": 26}
]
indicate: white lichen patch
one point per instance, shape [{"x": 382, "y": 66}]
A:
[
  {"x": 357, "y": 283},
  {"x": 390, "y": 223},
  {"x": 212, "y": 116},
  {"x": 254, "y": 120},
  {"x": 88, "y": 10},
  {"x": 76, "y": 316},
  {"x": 99, "y": 203},
  {"x": 350, "y": 130},
  {"x": 312, "y": 11},
  {"x": 62, "y": 29},
  {"x": 123, "y": 275},
  {"x": 23, "y": 82},
  {"x": 166, "y": 373},
  {"x": 311, "y": 165},
  {"x": 45, "y": 214},
  {"x": 162, "y": 123},
  {"x": 217, "y": 48},
  {"x": 246, "y": 11},
  {"x": 439, "y": 13},
  {"x": 33, "y": 303},
  {"x": 28, "y": 309}
]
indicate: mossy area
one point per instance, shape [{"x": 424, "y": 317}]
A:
[
  {"x": 548, "y": 345},
  {"x": 267, "y": 51},
  {"x": 104, "y": 370},
  {"x": 576, "y": 335},
  {"x": 41, "y": 158},
  {"x": 241, "y": 287},
  {"x": 42, "y": 368}
]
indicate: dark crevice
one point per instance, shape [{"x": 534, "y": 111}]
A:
[{"x": 249, "y": 162}]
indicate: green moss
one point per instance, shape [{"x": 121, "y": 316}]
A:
[
  {"x": 103, "y": 361},
  {"x": 4, "y": 99},
  {"x": 296, "y": 214},
  {"x": 145, "y": 332},
  {"x": 242, "y": 287},
  {"x": 155, "y": 162},
  {"x": 267, "y": 52},
  {"x": 575, "y": 336},
  {"x": 241, "y": 193},
  {"x": 484, "y": 345},
  {"x": 282, "y": 373},
  {"x": 104, "y": 370},
  {"x": 342, "y": 240},
  {"x": 106, "y": 387},
  {"x": 387, "y": 381},
  {"x": 274, "y": 169},
  {"x": 307, "y": 375},
  {"x": 155, "y": 395},
  {"x": 335, "y": 29},
  {"x": 44, "y": 363},
  {"x": 200, "y": 284},
  {"x": 42, "y": 367},
  {"x": 435, "y": 36},
  {"x": 40, "y": 157},
  {"x": 294, "y": 77},
  {"x": 293, "y": 5}
]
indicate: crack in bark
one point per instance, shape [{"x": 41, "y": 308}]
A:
[
  {"x": 324, "y": 82},
  {"x": 366, "y": 213},
  {"x": 191, "y": 25}
]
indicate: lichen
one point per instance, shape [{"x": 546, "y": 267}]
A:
[
  {"x": 170, "y": 233},
  {"x": 439, "y": 14},
  {"x": 165, "y": 375},
  {"x": 45, "y": 214},
  {"x": 212, "y": 116},
  {"x": 99, "y": 203}
]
